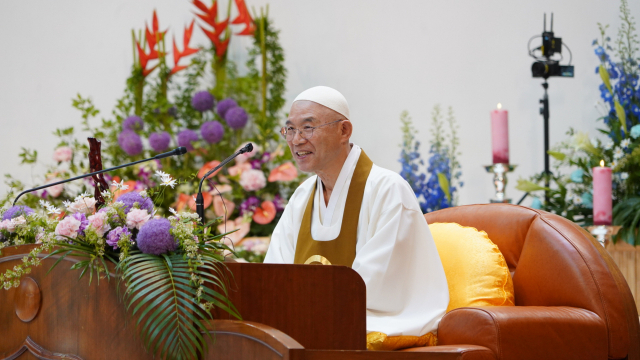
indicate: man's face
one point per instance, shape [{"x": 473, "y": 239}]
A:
[{"x": 324, "y": 146}]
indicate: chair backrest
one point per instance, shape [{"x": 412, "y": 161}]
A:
[{"x": 555, "y": 262}]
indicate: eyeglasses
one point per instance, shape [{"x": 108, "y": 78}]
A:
[{"x": 306, "y": 132}]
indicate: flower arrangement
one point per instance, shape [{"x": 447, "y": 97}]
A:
[
  {"x": 172, "y": 259},
  {"x": 439, "y": 190},
  {"x": 183, "y": 95},
  {"x": 571, "y": 195}
]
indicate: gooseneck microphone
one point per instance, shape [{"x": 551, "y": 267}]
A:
[
  {"x": 199, "y": 198},
  {"x": 176, "y": 152}
]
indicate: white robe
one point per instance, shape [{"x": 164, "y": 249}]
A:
[{"x": 396, "y": 257}]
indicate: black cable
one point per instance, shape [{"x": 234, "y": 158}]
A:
[{"x": 570, "y": 54}]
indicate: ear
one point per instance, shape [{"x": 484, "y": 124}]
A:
[{"x": 346, "y": 128}]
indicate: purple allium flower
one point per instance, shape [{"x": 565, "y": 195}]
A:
[
  {"x": 116, "y": 234},
  {"x": 130, "y": 142},
  {"x": 159, "y": 141},
  {"x": 83, "y": 222},
  {"x": 212, "y": 131},
  {"x": 225, "y": 105},
  {"x": 155, "y": 237},
  {"x": 133, "y": 123},
  {"x": 133, "y": 197},
  {"x": 202, "y": 101},
  {"x": 236, "y": 118},
  {"x": 16, "y": 211},
  {"x": 279, "y": 202},
  {"x": 249, "y": 205},
  {"x": 186, "y": 137}
]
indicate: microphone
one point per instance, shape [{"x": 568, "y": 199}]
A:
[
  {"x": 199, "y": 198},
  {"x": 176, "y": 152}
]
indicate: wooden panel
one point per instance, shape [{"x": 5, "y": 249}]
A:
[
  {"x": 321, "y": 307},
  {"x": 74, "y": 318},
  {"x": 627, "y": 257}
]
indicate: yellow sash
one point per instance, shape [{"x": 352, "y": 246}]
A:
[{"x": 341, "y": 250}]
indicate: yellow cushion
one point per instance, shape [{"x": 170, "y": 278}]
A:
[
  {"x": 381, "y": 342},
  {"x": 476, "y": 271}
]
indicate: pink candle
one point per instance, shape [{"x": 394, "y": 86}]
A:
[
  {"x": 602, "y": 213},
  {"x": 500, "y": 135}
]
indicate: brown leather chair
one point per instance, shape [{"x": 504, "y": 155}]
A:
[{"x": 571, "y": 299}]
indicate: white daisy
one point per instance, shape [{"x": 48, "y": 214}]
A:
[
  {"x": 613, "y": 164},
  {"x": 166, "y": 179},
  {"x": 618, "y": 153},
  {"x": 625, "y": 143},
  {"x": 120, "y": 185},
  {"x": 624, "y": 176},
  {"x": 609, "y": 145}
]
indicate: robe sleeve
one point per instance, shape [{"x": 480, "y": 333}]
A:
[{"x": 407, "y": 290}]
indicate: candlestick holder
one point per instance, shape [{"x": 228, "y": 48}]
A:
[
  {"x": 500, "y": 180},
  {"x": 603, "y": 233}
]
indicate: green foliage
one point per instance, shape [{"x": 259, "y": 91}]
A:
[
  {"x": 28, "y": 156},
  {"x": 626, "y": 213},
  {"x": 628, "y": 43}
]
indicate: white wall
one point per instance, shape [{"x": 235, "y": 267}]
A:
[{"x": 384, "y": 56}]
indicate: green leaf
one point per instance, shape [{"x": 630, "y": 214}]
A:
[
  {"x": 604, "y": 75},
  {"x": 621, "y": 115},
  {"x": 557, "y": 155},
  {"x": 528, "y": 186},
  {"x": 444, "y": 185}
]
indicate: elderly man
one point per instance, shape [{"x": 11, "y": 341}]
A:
[{"x": 356, "y": 214}]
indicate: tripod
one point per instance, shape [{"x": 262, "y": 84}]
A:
[{"x": 544, "y": 111}]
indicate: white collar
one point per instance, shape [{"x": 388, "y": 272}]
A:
[{"x": 327, "y": 210}]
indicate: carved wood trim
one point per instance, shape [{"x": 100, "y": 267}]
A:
[
  {"x": 39, "y": 352},
  {"x": 230, "y": 333}
]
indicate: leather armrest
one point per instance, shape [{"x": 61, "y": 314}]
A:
[{"x": 527, "y": 332}]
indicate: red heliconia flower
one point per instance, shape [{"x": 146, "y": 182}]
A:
[
  {"x": 177, "y": 54},
  {"x": 244, "y": 18},
  {"x": 152, "y": 38},
  {"x": 210, "y": 18}
]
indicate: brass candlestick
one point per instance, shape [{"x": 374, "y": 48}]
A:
[
  {"x": 603, "y": 233},
  {"x": 500, "y": 180}
]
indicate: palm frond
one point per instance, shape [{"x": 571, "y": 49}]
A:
[{"x": 160, "y": 295}]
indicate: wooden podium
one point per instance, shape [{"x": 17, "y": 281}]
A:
[{"x": 289, "y": 312}]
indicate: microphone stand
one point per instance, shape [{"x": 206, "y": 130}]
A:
[
  {"x": 178, "y": 151},
  {"x": 199, "y": 197}
]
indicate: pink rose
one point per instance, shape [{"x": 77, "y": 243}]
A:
[
  {"x": 4, "y": 224},
  {"x": 63, "y": 153},
  {"x": 15, "y": 222},
  {"x": 252, "y": 180},
  {"x": 85, "y": 205},
  {"x": 67, "y": 227},
  {"x": 55, "y": 190},
  {"x": 246, "y": 156},
  {"x": 137, "y": 217},
  {"x": 99, "y": 222}
]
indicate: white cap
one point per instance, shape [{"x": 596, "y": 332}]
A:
[{"x": 326, "y": 97}]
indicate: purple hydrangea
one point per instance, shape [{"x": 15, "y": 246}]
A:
[
  {"x": 155, "y": 237},
  {"x": 116, "y": 234},
  {"x": 236, "y": 118},
  {"x": 133, "y": 123},
  {"x": 225, "y": 105},
  {"x": 202, "y": 101},
  {"x": 83, "y": 222},
  {"x": 16, "y": 211},
  {"x": 186, "y": 137},
  {"x": 130, "y": 142},
  {"x": 249, "y": 205},
  {"x": 212, "y": 132},
  {"x": 130, "y": 198},
  {"x": 159, "y": 141}
]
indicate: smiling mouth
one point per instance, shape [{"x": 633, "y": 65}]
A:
[{"x": 303, "y": 153}]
